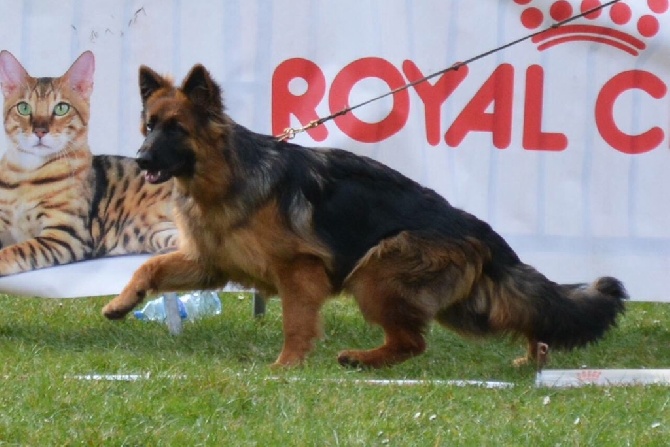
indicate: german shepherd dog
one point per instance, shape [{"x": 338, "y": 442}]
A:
[{"x": 308, "y": 223}]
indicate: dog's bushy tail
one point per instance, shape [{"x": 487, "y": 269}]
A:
[{"x": 567, "y": 316}]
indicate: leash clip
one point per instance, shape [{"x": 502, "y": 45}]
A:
[{"x": 290, "y": 132}]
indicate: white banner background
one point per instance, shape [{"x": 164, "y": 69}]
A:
[{"x": 587, "y": 210}]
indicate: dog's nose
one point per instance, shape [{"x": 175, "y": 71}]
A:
[{"x": 144, "y": 159}]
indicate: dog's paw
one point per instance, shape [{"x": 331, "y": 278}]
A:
[
  {"x": 520, "y": 362},
  {"x": 349, "y": 359},
  {"x": 122, "y": 304},
  {"x": 288, "y": 360},
  {"x": 114, "y": 312}
]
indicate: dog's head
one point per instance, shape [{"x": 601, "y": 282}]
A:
[{"x": 175, "y": 120}]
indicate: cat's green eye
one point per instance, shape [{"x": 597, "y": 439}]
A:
[
  {"x": 24, "y": 108},
  {"x": 61, "y": 108}
]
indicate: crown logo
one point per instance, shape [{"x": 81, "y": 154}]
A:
[
  {"x": 624, "y": 31},
  {"x": 589, "y": 376}
]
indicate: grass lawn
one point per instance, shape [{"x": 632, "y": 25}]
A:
[{"x": 211, "y": 385}]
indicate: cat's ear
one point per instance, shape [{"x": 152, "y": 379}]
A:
[
  {"x": 80, "y": 74},
  {"x": 202, "y": 90},
  {"x": 12, "y": 73},
  {"x": 150, "y": 81}
]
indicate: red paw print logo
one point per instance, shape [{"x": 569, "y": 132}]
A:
[{"x": 619, "y": 15}]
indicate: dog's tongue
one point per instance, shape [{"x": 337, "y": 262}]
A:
[{"x": 152, "y": 177}]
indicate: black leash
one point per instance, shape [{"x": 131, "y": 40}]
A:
[{"x": 291, "y": 132}]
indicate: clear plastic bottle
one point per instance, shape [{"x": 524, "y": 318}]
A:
[
  {"x": 199, "y": 304},
  {"x": 192, "y": 306},
  {"x": 154, "y": 310}
]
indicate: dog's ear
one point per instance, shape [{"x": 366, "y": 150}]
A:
[
  {"x": 150, "y": 81},
  {"x": 201, "y": 89}
]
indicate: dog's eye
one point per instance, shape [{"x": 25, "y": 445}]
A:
[
  {"x": 149, "y": 126},
  {"x": 174, "y": 126},
  {"x": 180, "y": 128}
]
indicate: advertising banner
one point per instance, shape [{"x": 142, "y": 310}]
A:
[{"x": 560, "y": 141}]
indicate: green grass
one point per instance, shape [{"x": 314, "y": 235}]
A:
[{"x": 212, "y": 386}]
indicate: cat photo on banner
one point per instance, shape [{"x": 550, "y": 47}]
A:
[{"x": 60, "y": 203}]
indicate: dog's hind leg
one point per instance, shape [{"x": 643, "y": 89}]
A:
[
  {"x": 399, "y": 345},
  {"x": 303, "y": 287},
  {"x": 168, "y": 272},
  {"x": 401, "y": 284},
  {"x": 403, "y": 323},
  {"x": 403, "y": 329}
]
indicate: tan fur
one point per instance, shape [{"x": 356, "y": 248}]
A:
[{"x": 47, "y": 196}]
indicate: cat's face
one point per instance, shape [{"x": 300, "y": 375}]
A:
[{"x": 44, "y": 116}]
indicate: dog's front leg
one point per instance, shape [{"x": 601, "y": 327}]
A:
[
  {"x": 168, "y": 272},
  {"x": 303, "y": 288}
]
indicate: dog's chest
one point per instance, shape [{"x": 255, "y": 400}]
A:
[
  {"x": 250, "y": 250},
  {"x": 231, "y": 248}
]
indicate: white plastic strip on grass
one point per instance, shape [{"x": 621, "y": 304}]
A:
[
  {"x": 558, "y": 378},
  {"x": 110, "y": 377},
  {"x": 565, "y": 378},
  {"x": 383, "y": 382},
  {"x": 124, "y": 377},
  {"x": 402, "y": 382}
]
